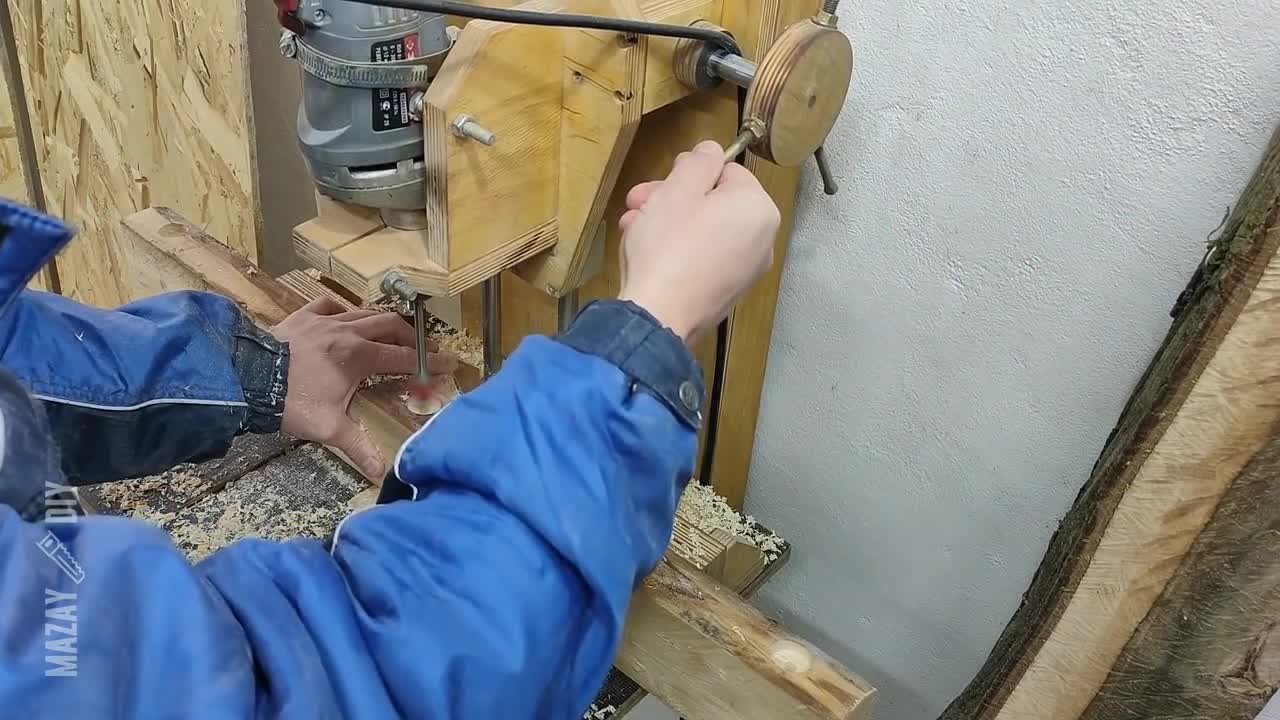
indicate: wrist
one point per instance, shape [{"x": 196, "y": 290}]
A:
[
  {"x": 652, "y": 355},
  {"x": 667, "y": 316}
]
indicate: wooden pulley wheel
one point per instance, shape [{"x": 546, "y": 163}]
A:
[{"x": 798, "y": 91}]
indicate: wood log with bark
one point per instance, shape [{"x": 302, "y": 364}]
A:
[{"x": 1159, "y": 596}]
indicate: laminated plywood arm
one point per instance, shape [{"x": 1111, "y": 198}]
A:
[{"x": 688, "y": 640}]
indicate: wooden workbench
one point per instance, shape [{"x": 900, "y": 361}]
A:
[{"x": 277, "y": 487}]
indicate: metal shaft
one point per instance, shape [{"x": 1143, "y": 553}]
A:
[
  {"x": 491, "y": 309},
  {"x": 732, "y": 68},
  {"x": 420, "y": 327}
]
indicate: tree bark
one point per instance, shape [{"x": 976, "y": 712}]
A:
[{"x": 1158, "y": 596}]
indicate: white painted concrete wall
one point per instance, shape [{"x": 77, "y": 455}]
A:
[{"x": 1026, "y": 186}]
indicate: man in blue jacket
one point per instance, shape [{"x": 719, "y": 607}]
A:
[{"x": 491, "y": 589}]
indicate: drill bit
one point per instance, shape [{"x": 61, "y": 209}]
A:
[{"x": 421, "y": 388}]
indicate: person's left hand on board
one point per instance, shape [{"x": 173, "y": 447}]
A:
[{"x": 331, "y": 351}]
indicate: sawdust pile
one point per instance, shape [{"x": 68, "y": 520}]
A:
[
  {"x": 701, "y": 507},
  {"x": 466, "y": 348}
]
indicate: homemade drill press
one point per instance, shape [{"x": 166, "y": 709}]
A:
[{"x": 452, "y": 142}]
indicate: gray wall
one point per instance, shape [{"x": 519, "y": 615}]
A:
[{"x": 1026, "y": 187}]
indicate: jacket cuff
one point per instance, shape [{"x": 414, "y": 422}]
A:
[
  {"x": 262, "y": 362},
  {"x": 627, "y": 336}
]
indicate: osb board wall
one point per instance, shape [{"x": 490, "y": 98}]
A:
[
  {"x": 137, "y": 103},
  {"x": 11, "y": 184}
]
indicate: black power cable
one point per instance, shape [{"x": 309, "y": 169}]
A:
[{"x": 551, "y": 19}]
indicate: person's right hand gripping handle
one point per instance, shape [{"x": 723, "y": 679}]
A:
[{"x": 550, "y": 491}]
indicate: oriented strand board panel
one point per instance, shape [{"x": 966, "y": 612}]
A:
[
  {"x": 11, "y": 183},
  {"x": 137, "y": 103}
]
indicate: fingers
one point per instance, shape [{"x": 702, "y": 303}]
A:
[
  {"x": 353, "y": 315},
  {"x": 388, "y": 328},
  {"x": 375, "y": 358},
  {"x": 324, "y": 305},
  {"x": 360, "y": 449},
  {"x": 628, "y": 218},
  {"x": 738, "y": 177},
  {"x": 441, "y": 363},
  {"x": 699, "y": 170},
  {"x": 639, "y": 195}
]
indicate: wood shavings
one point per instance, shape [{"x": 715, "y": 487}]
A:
[
  {"x": 701, "y": 507},
  {"x": 599, "y": 713}
]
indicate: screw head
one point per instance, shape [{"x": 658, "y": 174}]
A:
[{"x": 288, "y": 44}]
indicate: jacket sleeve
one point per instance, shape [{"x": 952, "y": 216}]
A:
[
  {"x": 541, "y": 500},
  {"x": 136, "y": 390}
]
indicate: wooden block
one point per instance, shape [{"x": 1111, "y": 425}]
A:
[
  {"x": 134, "y": 104},
  {"x": 304, "y": 493},
  {"x": 733, "y": 663},
  {"x": 661, "y": 88},
  {"x": 165, "y": 494}
]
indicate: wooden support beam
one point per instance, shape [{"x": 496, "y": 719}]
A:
[
  {"x": 696, "y": 645},
  {"x": 1160, "y": 592}
]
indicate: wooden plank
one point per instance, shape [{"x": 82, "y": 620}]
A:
[
  {"x": 698, "y": 629},
  {"x": 729, "y": 661},
  {"x": 304, "y": 493},
  {"x": 19, "y": 173},
  {"x": 672, "y": 127},
  {"x": 750, "y": 325},
  {"x": 183, "y": 486},
  {"x": 1134, "y": 581},
  {"x": 134, "y": 103}
]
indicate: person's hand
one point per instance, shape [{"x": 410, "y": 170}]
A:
[
  {"x": 331, "y": 350},
  {"x": 693, "y": 243}
]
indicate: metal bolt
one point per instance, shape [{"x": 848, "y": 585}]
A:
[
  {"x": 464, "y": 126},
  {"x": 827, "y": 15},
  {"x": 319, "y": 15},
  {"x": 288, "y": 44},
  {"x": 752, "y": 131},
  {"x": 417, "y": 103},
  {"x": 396, "y": 285}
]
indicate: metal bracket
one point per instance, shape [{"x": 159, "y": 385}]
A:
[{"x": 349, "y": 73}]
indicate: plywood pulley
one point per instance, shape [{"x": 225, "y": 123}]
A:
[{"x": 794, "y": 95}]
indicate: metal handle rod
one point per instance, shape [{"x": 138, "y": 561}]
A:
[
  {"x": 824, "y": 169},
  {"x": 732, "y": 68},
  {"x": 420, "y": 328}
]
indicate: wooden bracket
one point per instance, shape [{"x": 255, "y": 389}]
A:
[{"x": 563, "y": 105}]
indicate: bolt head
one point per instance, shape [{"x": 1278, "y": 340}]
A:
[{"x": 288, "y": 44}]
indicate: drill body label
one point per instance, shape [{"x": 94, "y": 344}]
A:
[{"x": 391, "y": 106}]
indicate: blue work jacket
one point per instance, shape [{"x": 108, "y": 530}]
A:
[{"x": 539, "y": 502}]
